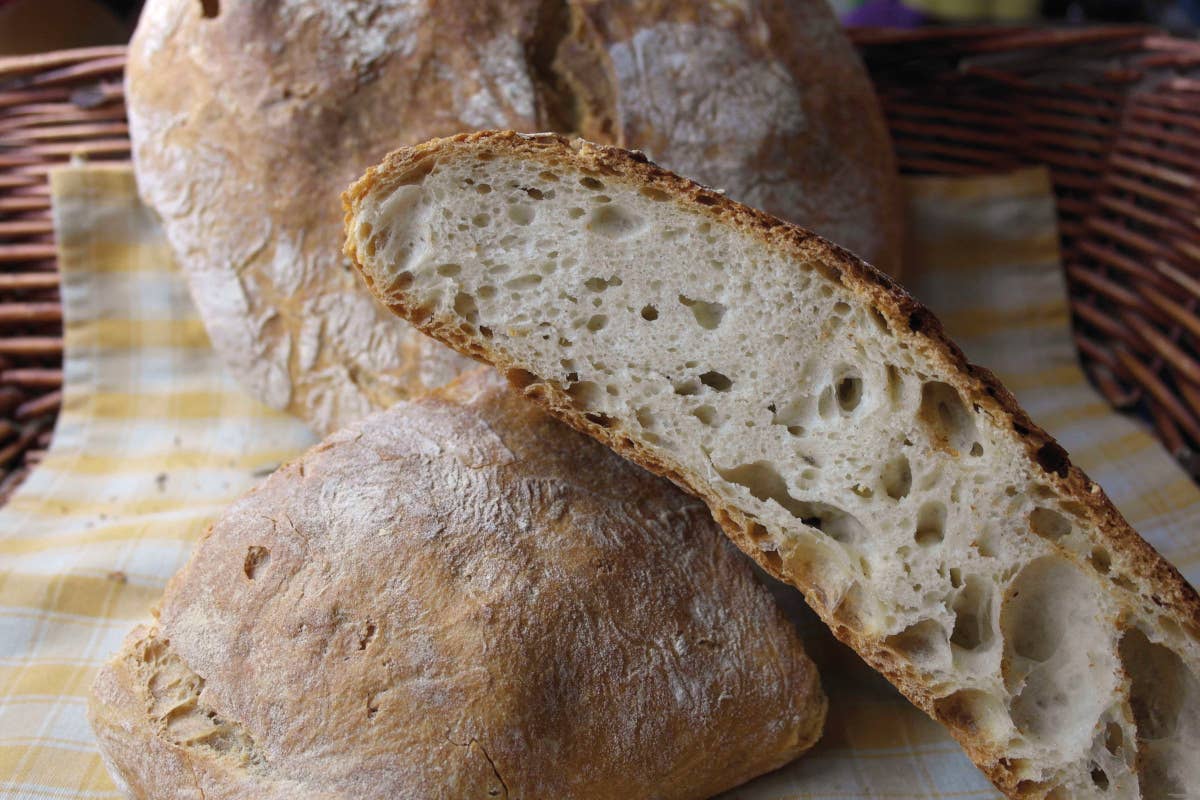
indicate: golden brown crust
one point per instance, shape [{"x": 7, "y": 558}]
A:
[
  {"x": 302, "y": 95},
  {"x": 908, "y": 318},
  {"x": 459, "y": 597}
]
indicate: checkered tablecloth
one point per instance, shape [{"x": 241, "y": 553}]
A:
[{"x": 154, "y": 440}]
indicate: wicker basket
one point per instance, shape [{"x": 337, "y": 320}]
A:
[
  {"x": 53, "y": 107},
  {"x": 1114, "y": 113}
]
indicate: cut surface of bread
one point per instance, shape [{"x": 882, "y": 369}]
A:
[
  {"x": 459, "y": 598},
  {"x": 836, "y": 434}
]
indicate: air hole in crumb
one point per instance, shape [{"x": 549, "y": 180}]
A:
[
  {"x": 880, "y": 321},
  {"x": 464, "y": 306},
  {"x": 401, "y": 282},
  {"x": 841, "y": 308},
  {"x": 649, "y": 313},
  {"x": 976, "y": 449},
  {"x": 973, "y": 615},
  {"x": 849, "y": 392},
  {"x": 923, "y": 643},
  {"x": 548, "y": 176},
  {"x": 1164, "y": 694},
  {"x": 210, "y": 9},
  {"x": 1099, "y": 777},
  {"x": 449, "y": 270},
  {"x": 895, "y": 386},
  {"x": 645, "y": 418},
  {"x": 706, "y": 414},
  {"x": 1052, "y": 628},
  {"x": 585, "y": 393},
  {"x": 658, "y": 195},
  {"x": 575, "y": 212},
  {"x": 1048, "y": 523},
  {"x": 687, "y": 387},
  {"x": 973, "y": 710},
  {"x": 1101, "y": 560},
  {"x": 485, "y": 331},
  {"x": 946, "y": 418},
  {"x": 256, "y": 558},
  {"x": 985, "y": 545},
  {"x": 931, "y": 524},
  {"x": 757, "y": 533},
  {"x": 716, "y": 381},
  {"x": 597, "y": 322},
  {"x": 589, "y": 182},
  {"x": 483, "y": 188},
  {"x": 614, "y": 222},
  {"x": 596, "y": 418},
  {"x": 1053, "y": 458},
  {"x": 764, "y": 483},
  {"x": 773, "y": 561},
  {"x": 481, "y": 220},
  {"x": 522, "y": 282},
  {"x": 1113, "y": 737},
  {"x": 600, "y": 284},
  {"x": 708, "y": 315},
  {"x": 521, "y": 214},
  {"x": 897, "y": 477}
]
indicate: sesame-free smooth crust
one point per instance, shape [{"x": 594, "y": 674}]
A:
[{"x": 1067, "y": 567}]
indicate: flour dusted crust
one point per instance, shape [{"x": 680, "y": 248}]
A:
[
  {"x": 932, "y": 525},
  {"x": 295, "y": 98},
  {"x": 459, "y": 597}
]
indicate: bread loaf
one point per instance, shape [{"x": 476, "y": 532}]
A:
[
  {"x": 249, "y": 116},
  {"x": 834, "y": 431},
  {"x": 458, "y": 598}
]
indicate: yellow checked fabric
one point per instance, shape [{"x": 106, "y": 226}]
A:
[{"x": 154, "y": 440}]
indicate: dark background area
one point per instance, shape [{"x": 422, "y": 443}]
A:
[{"x": 31, "y": 26}]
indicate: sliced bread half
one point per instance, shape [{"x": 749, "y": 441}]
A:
[{"x": 834, "y": 431}]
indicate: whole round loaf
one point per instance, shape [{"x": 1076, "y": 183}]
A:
[
  {"x": 455, "y": 598},
  {"x": 248, "y": 117}
]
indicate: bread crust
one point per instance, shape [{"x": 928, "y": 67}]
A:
[
  {"x": 907, "y": 318},
  {"x": 459, "y": 597},
  {"x": 301, "y": 95}
]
